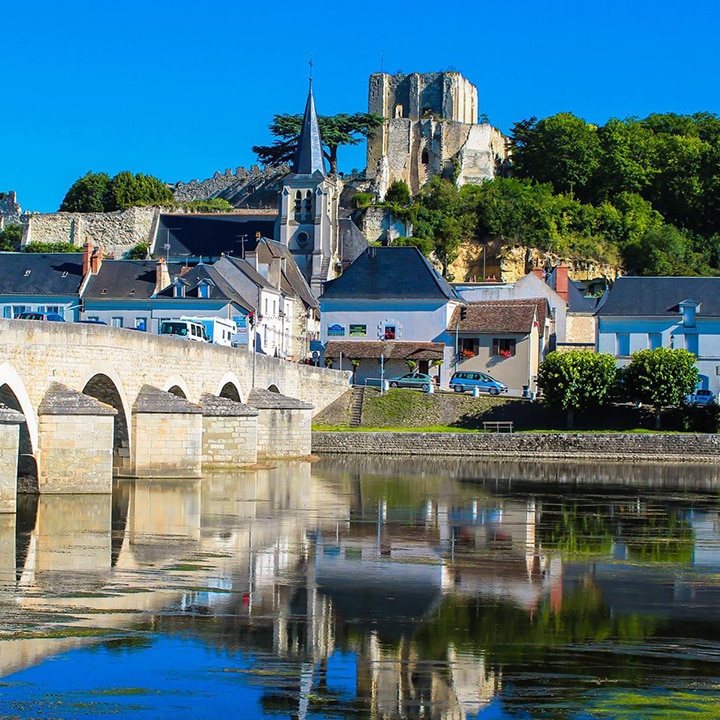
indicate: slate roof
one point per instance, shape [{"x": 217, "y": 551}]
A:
[
  {"x": 577, "y": 300},
  {"x": 220, "y": 288},
  {"x": 126, "y": 279},
  {"x": 508, "y": 316},
  {"x": 383, "y": 273},
  {"x": 296, "y": 280},
  {"x": 394, "y": 350},
  {"x": 58, "y": 274},
  {"x": 309, "y": 156},
  {"x": 659, "y": 296},
  {"x": 209, "y": 236}
]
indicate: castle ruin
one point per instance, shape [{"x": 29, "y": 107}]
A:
[{"x": 431, "y": 129}]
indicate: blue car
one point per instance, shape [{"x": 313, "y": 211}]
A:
[
  {"x": 419, "y": 381},
  {"x": 468, "y": 380}
]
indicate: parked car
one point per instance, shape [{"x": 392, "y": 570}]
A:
[
  {"x": 52, "y": 317},
  {"x": 420, "y": 381},
  {"x": 465, "y": 380},
  {"x": 701, "y": 397}
]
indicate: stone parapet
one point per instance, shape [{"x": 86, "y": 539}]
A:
[{"x": 526, "y": 446}]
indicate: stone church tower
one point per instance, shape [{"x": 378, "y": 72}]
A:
[
  {"x": 308, "y": 221},
  {"x": 431, "y": 129}
]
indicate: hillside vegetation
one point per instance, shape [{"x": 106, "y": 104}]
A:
[{"x": 642, "y": 195}]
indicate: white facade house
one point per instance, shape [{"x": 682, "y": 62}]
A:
[
  {"x": 389, "y": 311},
  {"x": 671, "y": 312}
]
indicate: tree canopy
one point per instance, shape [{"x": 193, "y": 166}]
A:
[
  {"x": 335, "y": 130},
  {"x": 10, "y": 238},
  {"x": 661, "y": 377},
  {"x": 576, "y": 380},
  {"x": 670, "y": 162},
  {"x": 98, "y": 192}
]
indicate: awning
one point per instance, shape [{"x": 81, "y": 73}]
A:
[{"x": 390, "y": 350}]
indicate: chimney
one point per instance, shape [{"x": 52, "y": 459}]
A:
[
  {"x": 87, "y": 250},
  {"x": 539, "y": 271},
  {"x": 162, "y": 275},
  {"x": 561, "y": 281},
  {"x": 96, "y": 260}
]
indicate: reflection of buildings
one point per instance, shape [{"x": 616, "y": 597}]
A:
[{"x": 312, "y": 574}]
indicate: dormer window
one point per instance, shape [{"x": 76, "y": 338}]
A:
[{"x": 688, "y": 310}]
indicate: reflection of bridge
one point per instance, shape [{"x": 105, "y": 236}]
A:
[
  {"x": 274, "y": 551},
  {"x": 96, "y": 400}
]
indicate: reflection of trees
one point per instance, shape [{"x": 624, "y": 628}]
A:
[{"x": 650, "y": 532}]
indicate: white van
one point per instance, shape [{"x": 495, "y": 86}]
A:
[
  {"x": 186, "y": 329},
  {"x": 219, "y": 331}
]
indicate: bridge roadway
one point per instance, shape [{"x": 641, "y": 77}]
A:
[{"x": 71, "y": 382}]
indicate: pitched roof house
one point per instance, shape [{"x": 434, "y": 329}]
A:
[
  {"x": 501, "y": 338},
  {"x": 388, "y": 309},
  {"x": 650, "y": 312},
  {"x": 40, "y": 282}
]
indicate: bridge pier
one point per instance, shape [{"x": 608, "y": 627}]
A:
[
  {"x": 167, "y": 435},
  {"x": 75, "y": 441},
  {"x": 284, "y": 425},
  {"x": 230, "y": 431},
  {"x": 10, "y": 421}
]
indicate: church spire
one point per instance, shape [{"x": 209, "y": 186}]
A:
[{"x": 308, "y": 156}]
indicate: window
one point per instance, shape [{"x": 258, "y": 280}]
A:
[
  {"x": 469, "y": 347},
  {"x": 691, "y": 340},
  {"x": 302, "y": 238},
  {"x": 308, "y": 203},
  {"x": 298, "y": 202},
  {"x": 654, "y": 340},
  {"x": 503, "y": 347},
  {"x": 390, "y": 332},
  {"x": 140, "y": 323},
  {"x": 116, "y": 322},
  {"x": 622, "y": 344}
]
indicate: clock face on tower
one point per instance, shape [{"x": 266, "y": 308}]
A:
[{"x": 302, "y": 239}]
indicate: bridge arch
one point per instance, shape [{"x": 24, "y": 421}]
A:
[
  {"x": 107, "y": 390},
  {"x": 230, "y": 388},
  {"x": 177, "y": 386},
  {"x": 14, "y": 394}
]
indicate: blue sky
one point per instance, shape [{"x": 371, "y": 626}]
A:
[{"x": 181, "y": 90}]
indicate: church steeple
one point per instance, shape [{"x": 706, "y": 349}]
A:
[{"x": 309, "y": 156}]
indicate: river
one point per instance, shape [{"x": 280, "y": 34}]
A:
[{"x": 368, "y": 588}]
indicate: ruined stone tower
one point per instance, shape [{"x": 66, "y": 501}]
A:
[
  {"x": 431, "y": 129},
  {"x": 308, "y": 221}
]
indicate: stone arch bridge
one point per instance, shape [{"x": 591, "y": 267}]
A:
[{"x": 81, "y": 402}]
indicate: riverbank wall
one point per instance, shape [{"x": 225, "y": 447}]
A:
[{"x": 656, "y": 447}]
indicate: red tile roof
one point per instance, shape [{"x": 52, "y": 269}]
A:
[
  {"x": 391, "y": 350},
  {"x": 510, "y": 316}
]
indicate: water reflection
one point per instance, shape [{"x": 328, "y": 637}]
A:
[{"x": 369, "y": 588}]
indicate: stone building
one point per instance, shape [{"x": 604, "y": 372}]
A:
[{"x": 431, "y": 129}]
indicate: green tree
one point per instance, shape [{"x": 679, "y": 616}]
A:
[
  {"x": 335, "y": 130},
  {"x": 51, "y": 247},
  {"x": 562, "y": 150},
  {"x": 660, "y": 378},
  {"x": 86, "y": 194},
  {"x": 11, "y": 237},
  {"x": 576, "y": 380},
  {"x": 126, "y": 190},
  {"x": 398, "y": 193}
]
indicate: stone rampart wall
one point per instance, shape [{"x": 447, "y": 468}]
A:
[
  {"x": 115, "y": 232},
  {"x": 620, "y": 446}
]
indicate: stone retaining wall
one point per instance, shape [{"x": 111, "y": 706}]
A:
[{"x": 610, "y": 446}]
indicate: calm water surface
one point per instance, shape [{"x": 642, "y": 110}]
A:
[{"x": 368, "y": 588}]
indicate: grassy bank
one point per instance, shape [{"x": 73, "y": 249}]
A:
[{"x": 398, "y": 410}]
